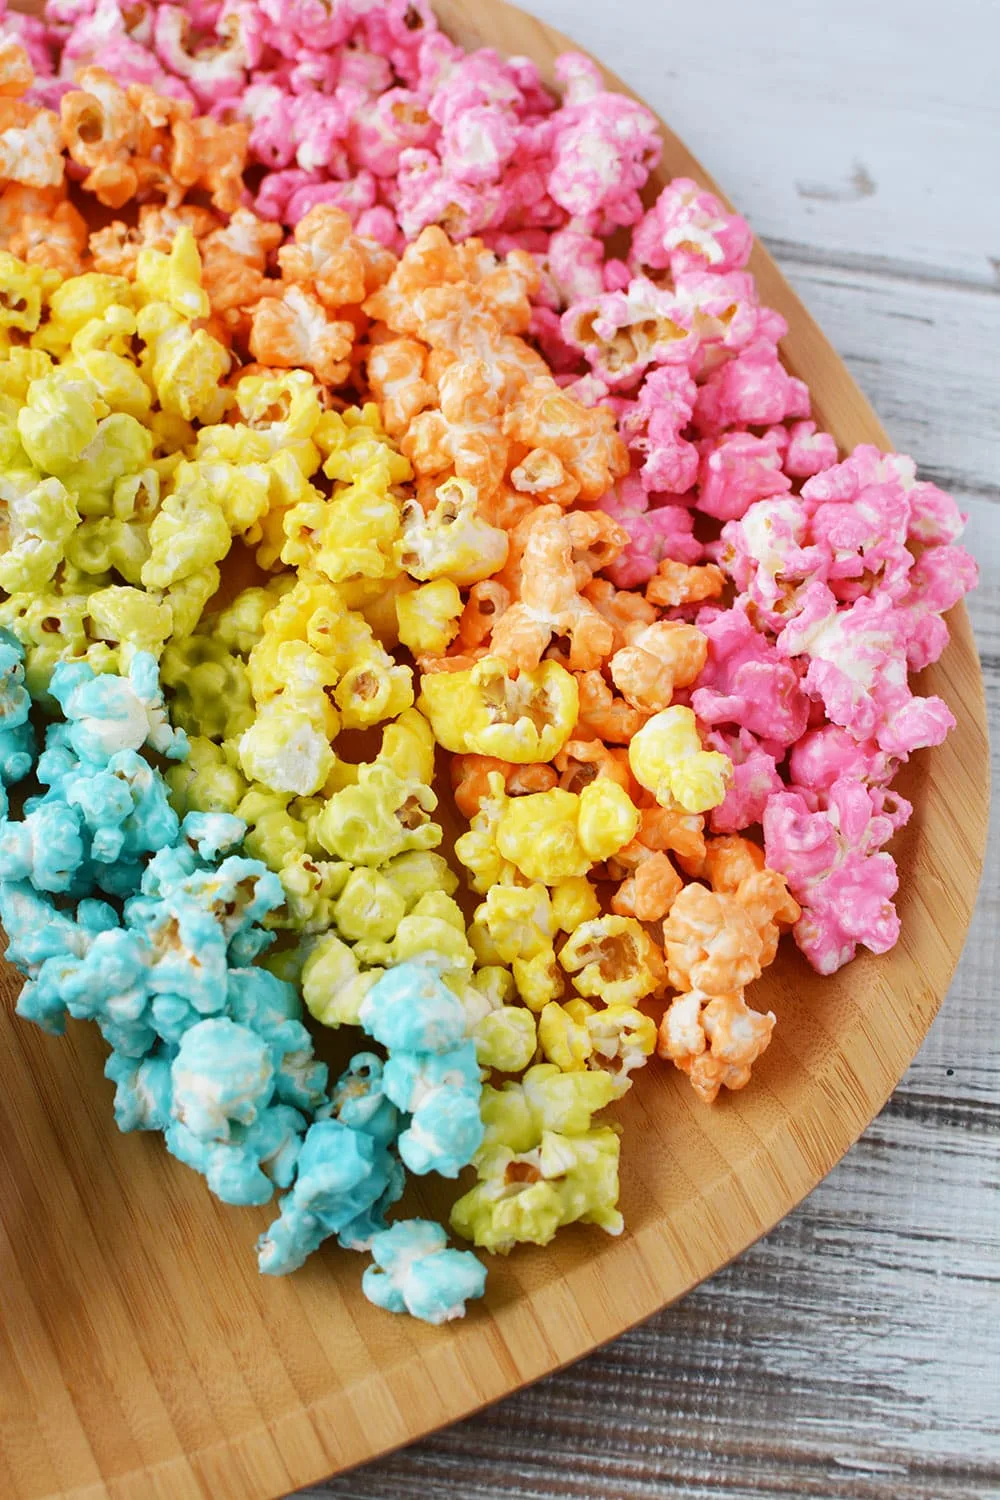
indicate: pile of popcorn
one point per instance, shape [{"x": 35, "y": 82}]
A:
[{"x": 345, "y": 472}]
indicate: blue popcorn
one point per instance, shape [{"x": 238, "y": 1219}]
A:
[
  {"x": 171, "y": 1016},
  {"x": 45, "y": 847},
  {"x": 359, "y": 1099},
  {"x": 36, "y": 929},
  {"x": 109, "y": 713},
  {"x": 143, "y": 1090},
  {"x": 222, "y": 1076},
  {"x": 440, "y": 1090},
  {"x": 416, "y": 1272},
  {"x": 15, "y": 701},
  {"x": 17, "y": 752},
  {"x": 245, "y": 1168},
  {"x": 359, "y": 1233},
  {"x": 213, "y": 834},
  {"x": 188, "y": 948},
  {"x": 341, "y": 1173},
  {"x": 411, "y": 1009}
]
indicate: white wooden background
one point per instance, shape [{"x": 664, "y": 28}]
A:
[{"x": 855, "y": 1353}]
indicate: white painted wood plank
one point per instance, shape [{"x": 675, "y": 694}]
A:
[{"x": 854, "y": 129}]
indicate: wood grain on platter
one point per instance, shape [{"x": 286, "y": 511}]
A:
[{"x": 142, "y": 1355}]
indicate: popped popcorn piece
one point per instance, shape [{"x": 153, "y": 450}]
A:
[
  {"x": 613, "y": 959},
  {"x": 657, "y": 660},
  {"x": 558, "y": 835},
  {"x": 484, "y": 711},
  {"x": 746, "y": 682},
  {"x": 710, "y": 942},
  {"x": 617, "y": 1039},
  {"x": 451, "y": 541},
  {"x": 416, "y": 1272},
  {"x": 688, "y": 229},
  {"x": 736, "y": 470},
  {"x": 714, "y": 1039},
  {"x": 667, "y": 758}
]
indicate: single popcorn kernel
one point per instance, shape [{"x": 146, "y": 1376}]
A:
[
  {"x": 667, "y": 758},
  {"x": 484, "y": 711},
  {"x": 613, "y": 959},
  {"x": 428, "y": 617}
]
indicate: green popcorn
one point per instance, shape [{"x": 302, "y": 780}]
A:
[
  {"x": 241, "y": 624},
  {"x": 211, "y": 690},
  {"x": 105, "y": 544},
  {"x": 205, "y": 782},
  {"x": 187, "y": 598}
]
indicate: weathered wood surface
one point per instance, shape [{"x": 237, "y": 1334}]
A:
[{"x": 854, "y": 1354}]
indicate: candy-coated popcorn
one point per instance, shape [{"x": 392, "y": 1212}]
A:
[
  {"x": 745, "y": 681},
  {"x": 341, "y": 1175},
  {"x": 369, "y": 906},
  {"x": 658, "y": 659},
  {"x": 687, "y": 229},
  {"x": 440, "y": 1093},
  {"x": 222, "y": 1075},
  {"x": 837, "y": 869},
  {"x": 808, "y": 451},
  {"x": 649, "y": 882},
  {"x": 752, "y": 390},
  {"x": 617, "y": 1039},
  {"x": 416, "y": 1272},
  {"x": 484, "y": 711},
  {"x": 602, "y": 715},
  {"x": 655, "y": 535},
  {"x": 107, "y": 713},
  {"x": 451, "y": 541},
  {"x": 293, "y": 331},
  {"x": 410, "y": 1009},
  {"x": 714, "y": 1039},
  {"x": 736, "y": 470},
  {"x": 612, "y": 958},
  {"x": 30, "y": 144},
  {"x": 505, "y": 1039},
  {"x": 674, "y": 583},
  {"x": 667, "y": 758},
  {"x": 755, "y": 778},
  {"x": 555, "y": 835},
  {"x": 333, "y": 985},
  {"x": 710, "y": 942}
]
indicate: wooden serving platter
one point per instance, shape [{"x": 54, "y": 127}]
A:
[{"x": 143, "y": 1358}]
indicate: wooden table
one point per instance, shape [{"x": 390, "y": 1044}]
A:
[{"x": 854, "y": 1353}]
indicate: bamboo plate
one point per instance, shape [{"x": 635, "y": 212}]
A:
[{"x": 142, "y": 1356}]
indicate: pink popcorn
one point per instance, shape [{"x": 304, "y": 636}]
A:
[
  {"x": 752, "y": 390},
  {"x": 688, "y": 229},
  {"x": 605, "y": 147},
  {"x": 546, "y": 330},
  {"x": 652, "y": 426},
  {"x": 933, "y": 515},
  {"x": 478, "y": 80},
  {"x": 399, "y": 31},
  {"x": 768, "y": 556},
  {"x": 834, "y": 869},
  {"x": 623, "y": 333},
  {"x": 104, "y": 37},
  {"x": 939, "y": 578},
  {"x": 666, "y": 531},
  {"x": 808, "y": 452},
  {"x": 736, "y": 470},
  {"x": 313, "y": 24},
  {"x": 379, "y": 130},
  {"x": 213, "y": 71},
  {"x": 858, "y": 670},
  {"x": 755, "y": 779},
  {"x": 745, "y": 682},
  {"x": 355, "y": 197},
  {"x": 427, "y": 195},
  {"x": 574, "y": 266},
  {"x": 822, "y": 756},
  {"x": 721, "y": 310},
  {"x": 478, "y": 142}
]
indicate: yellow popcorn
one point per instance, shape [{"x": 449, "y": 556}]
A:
[
  {"x": 132, "y": 618},
  {"x": 607, "y": 818},
  {"x": 573, "y": 901},
  {"x": 538, "y": 979},
  {"x": 518, "y": 919},
  {"x": 354, "y": 443},
  {"x": 273, "y": 834},
  {"x": 374, "y": 690},
  {"x": 188, "y": 533},
  {"x": 505, "y": 1039},
  {"x": 311, "y": 888},
  {"x": 348, "y": 536},
  {"x": 115, "y": 378},
  {"x": 435, "y": 925},
  {"x": 616, "y": 1039},
  {"x": 241, "y": 490},
  {"x": 104, "y": 544},
  {"x": 59, "y": 421},
  {"x": 37, "y": 518},
  {"x": 121, "y": 448},
  {"x": 22, "y": 292},
  {"x": 613, "y": 959},
  {"x": 173, "y": 279},
  {"x": 420, "y": 872},
  {"x": 184, "y": 366},
  {"x": 211, "y": 691},
  {"x": 285, "y": 750},
  {"x": 205, "y": 782},
  {"x": 477, "y": 849},
  {"x": 485, "y": 712},
  {"x": 381, "y": 816},
  {"x": 18, "y": 368},
  {"x": 333, "y": 985},
  {"x": 428, "y": 617},
  {"x": 667, "y": 758},
  {"x": 453, "y": 541},
  {"x": 188, "y": 596},
  {"x": 496, "y": 984},
  {"x": 408, "y": 747},
  {"x": 280, "y": 413},
  {"x": 369, "y": 907},
  {"x": 77, "y": 302},
  {"x": 538, "y": 834},
  {"x": 240, "y": 625}
]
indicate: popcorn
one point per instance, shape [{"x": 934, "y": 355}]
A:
[
  {"x": 752, "y": 390},
  {"x": 736, "y": 470},
  {"x": 484, "y": 711},
  {"x": 688, "y": 229},
  {"x": 710, "y": 942},
  {"x": 658, "y": 659},
  {"x": 617, "y": 1039},
  {"x": 666, "y": 757},
  {"x": 666, "y": 532},
  {"x": 222, "y": 1075},
  {"x": 556, "y": 835},
  {"x": 542, "y": 1164},
  {"x": 746, "y": 682},
  {"x": 714, "y": 1039},
  {"x": 415, "y": 1272},
  {"x": 452, "y": 540},
  {"x": 836, "y": 868}
]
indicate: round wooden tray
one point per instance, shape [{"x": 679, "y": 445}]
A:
[{"x": 141, "y": 1355}]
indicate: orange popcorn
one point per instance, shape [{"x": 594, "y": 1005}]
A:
[
  {"x": 327, "y": 257},
  {"x": 549, "y": 604},
  {"x": 293, "y": 331},
  {"x": 487, "y": 600},
  {"x": 395, "y": 373},
  {"x": 658, "y": 659},
  {"x": 56, "y": 240},
  {"x": 463, "y": 436},
  {"x": 649, "y": 888},
  {"x": 715, "y": 1041},
  {"x": 585, "y": 439},
  {"x": 580, "y": 762},
  {"x": 602, "y": 714},
  {"x": 209, "y": 155},
  {"x": 123, "y": 145},
  {"x": 30, "y": 144},
  {"x": 711, "y": 942},
  {"x": 674, "y": 583},
  {"x": 16, "y": 72},
  {"x": 233, "y": 261},
  {"x": 115, "y": 249},
  {"x": 622, "y": 608},
  {"x": 470, "y": 780},
  {"x": 672, "y": 828}
]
